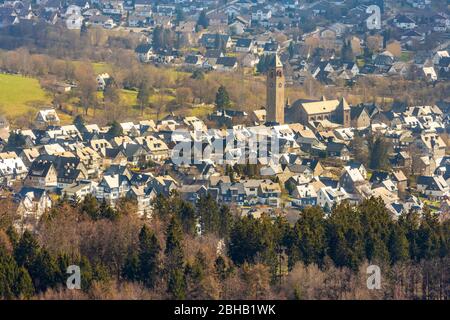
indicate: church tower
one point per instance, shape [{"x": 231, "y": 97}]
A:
[
  {"x": 343, "y": 113},
  {"x": 275, "y": 92}
]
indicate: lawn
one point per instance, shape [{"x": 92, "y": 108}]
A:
[
  {"x": 20, "y": 95},
  {"x": 99, "y": 67}
]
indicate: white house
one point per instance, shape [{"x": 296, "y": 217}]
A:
[
  {"x": 327, "y": 197},
  {"x": 32, "y": 204},
  {"x": 73, "y": 10},
  {"x": 46, "y": 117},
  {"x": 74, "y": 22},
  {"x": 12, "y": 168},
  {"x": 435, "y": 187},
  {"x": 429, "y": 73},
  {"x": 102, "y": 80},
  {"x": 439, "y": 55}
]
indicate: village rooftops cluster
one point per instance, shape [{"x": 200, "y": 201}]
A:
[
  {"x": 410, "y": 42},
  {"x": 314, "y": 165}
]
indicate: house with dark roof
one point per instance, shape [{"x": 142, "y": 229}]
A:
[
  {"x": 337, "y": 150},
  {"x": 434, "y": 187},
  {"x": 42, "y": 174},
  {"x": 359, "y": 117},
  {"x": 32, "y": 204},
  {"x": 404, "y": 22},
  {"x": 226, "y": 63},
  {"x": 144, "y": 52},
  {"x": 113, "y": 187},
  {"x": 68, "y": 169},
  {"x": 194, "y": 60},
  {"x": 232, "y": 193},
  {"x": 216, "y": 41},
  {"x": 245, "y": 45}
]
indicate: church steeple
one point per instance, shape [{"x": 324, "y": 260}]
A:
[
  {"x": 343, "y": 110},
  {"x": 275, "y": 91}
]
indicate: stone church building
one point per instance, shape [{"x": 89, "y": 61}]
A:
[
  {"x": 305, "y": 111},
  {"x": 301, "y": 111}
]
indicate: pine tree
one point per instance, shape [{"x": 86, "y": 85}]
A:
[
  {"x": 44, "y": 271},
  {"x": 13, "y": 236},
  {"x": 187, "y": 216},
  {"x": 345, "y": 237},
  {"x": 132, "y": 267},
  {"x": 398, "y": 244},
  {"x": 8, "y": 269},
  {"x": 107, "y": 212},
  {"x": 88, "y": 275},
  {"x": 89, "y": 206},
  {"x": 158, "y": 38},
  {"x": 23, "y": 285},
  {"x": 379, "y": 149},
  {"x": 410, "y": 223},
  {"x": 176, "y": 284},
  {"x": 203, "y": 20},
  {"x": 209, "y": 214},
  {"x": 222, "y": 98},
  {"x": 27, "y": 250},
  {"x": 195, "y": 274},
  {"x": 310, "y": 237},
  {"x": 249, "y": 239},
  {"x": 180, "y": 16},
  {"x": 376, "y": 222},
  {"x": 226, "y": 222},
  {"x": 115, "y": 130},
  {"x": 161, "y": 207},
  {"x": 149, "y": 250},
  {"x": 428, "y": 236},
  {"x": 221, "y": 268}
]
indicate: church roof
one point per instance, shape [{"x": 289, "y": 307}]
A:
[
  {"x": 275, "y": 61},
  {"x": 278, "y": 61},
  {"x": 343, "y": 104},
  {"x": 318, "y": 107}
]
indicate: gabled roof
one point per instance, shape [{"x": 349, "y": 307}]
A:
[
  {"x": 244, "y": 43},
  {"x": 35, "y": 194},
  {"x": 40, "y": 168},
  {"x": 143, "y": 48},
  {"x": 227, "y": 61}
]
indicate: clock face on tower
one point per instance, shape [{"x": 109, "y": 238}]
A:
[{"x": 280, "y": 85}]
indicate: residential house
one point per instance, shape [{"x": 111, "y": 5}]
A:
[
  {"x": 45, "y": 118},
  {"x": 42, "y": 174},
  {"x": 304, "y": 195},
  {"x": 32, "y": 204},
  {"x": 435, "y": 187},
  {"x": 269, "y": 193},
  {"x": 11, "y": 168},
  {"x": 226, "y": 63},
  {"x": 328, "y": 197},
  {"x": 79, "y": 190},
  {"x": 232, "y": 193},
  {"x": 113, "y": 187}
]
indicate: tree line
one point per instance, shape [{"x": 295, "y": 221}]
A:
[{"x": 208, "y": 250}]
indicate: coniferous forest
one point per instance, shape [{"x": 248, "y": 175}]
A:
[{"x": 207, "y": 251}]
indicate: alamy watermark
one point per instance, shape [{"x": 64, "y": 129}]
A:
[
  {"x": 74, "y": 280},
  {"x": 374, "y": 280},
  {"x": 226, "y": 147}
]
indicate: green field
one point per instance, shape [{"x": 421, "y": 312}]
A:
[
  {"x": 23, "y": 96},
  {"x": 20, "y": 95}
]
